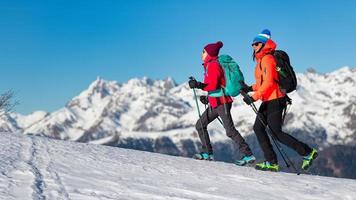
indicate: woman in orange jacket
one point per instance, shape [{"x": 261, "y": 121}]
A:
[{"x": 273, "y": 100}]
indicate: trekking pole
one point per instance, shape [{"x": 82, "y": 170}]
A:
[
  {"x": 273, "y": 136},
  {"x": 196, "y": 102},
  {"x": 286, "y": 109},
  {"x": 220, "y": 121},
  {"x": 279, "y": 148}
]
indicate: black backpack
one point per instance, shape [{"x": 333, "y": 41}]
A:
[{"x": 287, "y": 78}]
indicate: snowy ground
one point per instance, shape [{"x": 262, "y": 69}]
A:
[{"x": 41, "y": 168}]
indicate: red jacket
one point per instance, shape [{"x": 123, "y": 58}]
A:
[
  {"x": 266, "y": 87},
  {"x": 214, "y": 78}
]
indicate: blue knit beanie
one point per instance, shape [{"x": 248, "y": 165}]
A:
[{"x": 263, "y": 36}]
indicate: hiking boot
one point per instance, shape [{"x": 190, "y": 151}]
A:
[
  {"x": 203, "y": 156},
  {"x": 308, "y": 160},
  {"x": 267, "y": 166},
  {"x": 245, "y": 160}
]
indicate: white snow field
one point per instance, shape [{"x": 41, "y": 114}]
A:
[{"x": 39, "y": 168}]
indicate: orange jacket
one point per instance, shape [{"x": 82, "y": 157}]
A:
[{"x": 266, "y": 87}]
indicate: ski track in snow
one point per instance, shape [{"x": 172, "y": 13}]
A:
[
  {"x": 40, "y": 168},
  {"x": 38, "y": 184}
]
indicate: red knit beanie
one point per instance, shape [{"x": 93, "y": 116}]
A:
[{"x": 214, "y": 48}]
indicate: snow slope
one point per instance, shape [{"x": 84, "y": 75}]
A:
[{"x": 40, "y": 168}]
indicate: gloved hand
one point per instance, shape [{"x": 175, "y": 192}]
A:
[
  {"x": 204, "y": 99},
  {"x": 196, "y": 84},
  {"x": 248, "y": 100},
  {"x": 245, "y": 87}
]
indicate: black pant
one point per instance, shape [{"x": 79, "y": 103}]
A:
[
  {"x": 271, "y": 112},
  {"x": 210, "y": 115}
]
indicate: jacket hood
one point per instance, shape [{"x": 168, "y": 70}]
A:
[
  {"x": 209, "y": 59},
  {"x": 269, "y": 48}
]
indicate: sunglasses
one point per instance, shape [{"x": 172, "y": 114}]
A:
[{"x": 256, "y": 43}]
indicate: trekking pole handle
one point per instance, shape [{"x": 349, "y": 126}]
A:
[{"x": 244, "y": 94}]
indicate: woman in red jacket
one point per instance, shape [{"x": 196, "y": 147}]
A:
[
  {"x": 219, "y": 106},
  {"x": 273, "y": 100}
]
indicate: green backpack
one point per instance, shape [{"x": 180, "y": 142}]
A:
[{"x": 233, "y": 76}]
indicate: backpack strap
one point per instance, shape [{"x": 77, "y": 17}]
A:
[
  {"x": 222, "y": 87},
  {"x": 275, "y": 80},
  {"x": 260, "y": 66}
]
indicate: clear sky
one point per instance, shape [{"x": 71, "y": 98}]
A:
[{"x": 50, "y": 51}]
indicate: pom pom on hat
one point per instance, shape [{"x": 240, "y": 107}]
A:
[
  {"x": 220, "y": 44},
  {"x": 263, "y": 36}
]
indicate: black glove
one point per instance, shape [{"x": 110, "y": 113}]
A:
[
  {"x": 204, "y": 99},
  {"x": 196, "y": 84},
  {"x": 245, "y": 87},
  {"x": 248, "y": 100}
]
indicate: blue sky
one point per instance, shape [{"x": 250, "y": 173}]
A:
[{"x": 52, "y": 50}]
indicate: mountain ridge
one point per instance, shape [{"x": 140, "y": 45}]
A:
[{"x": 108, "y": 108}]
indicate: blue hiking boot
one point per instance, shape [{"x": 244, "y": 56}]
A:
[
  {"x": 203, "y": 156},
  {"x": 245, "y": 160}
]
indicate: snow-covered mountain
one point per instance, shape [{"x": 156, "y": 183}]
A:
[
  {"x": 324, "y": 107},
  {"x": 41, "y": 168},
  {"x": 326, "y": 102}
]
